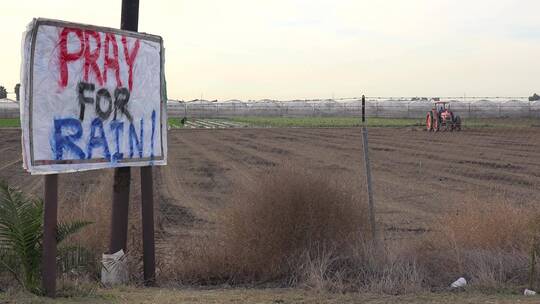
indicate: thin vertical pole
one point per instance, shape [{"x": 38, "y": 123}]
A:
[
  {"x": 367, "y": 165},
  {"x": 363, "y": 109},
  {"x": 147, "y": 196},
  {"x": 48, "y": 261},
  {"x": 130, "y": 21},
  {"x": 120, "y": 210},
  {"x": 122, "y": 176},
  {"x": 130, "y": 15}
]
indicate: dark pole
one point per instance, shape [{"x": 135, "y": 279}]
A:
[
  {"x": 130, "y": 15},
  {"x": 130, "y": 22},
  {"x": 363, "y": 109},
  {"x": 48, "y": 260},
  {"x": 122, "y": 176},
  {"x": 369, "y": 183},
  {"x": 120, "y": 209},
  {"x": 147, "y": 197}
]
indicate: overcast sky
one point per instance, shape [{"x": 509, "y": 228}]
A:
[{"x": 287, "y": 49}]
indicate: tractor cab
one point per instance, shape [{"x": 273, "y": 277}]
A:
[
  {"x": 441, "y": 106},
  {"x": 443, "y": 109}
]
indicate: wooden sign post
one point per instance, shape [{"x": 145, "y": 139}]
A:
[
  {"x": 48, "y": 259},
  {"x": 122, "y": 176},
  {"x": 147, "y": 212}
]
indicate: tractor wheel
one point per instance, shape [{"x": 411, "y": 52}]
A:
[
  {"x": 457, "y": 123},
  {"x": 436, "y": 122},
  {"x": 429, "y": 121}
]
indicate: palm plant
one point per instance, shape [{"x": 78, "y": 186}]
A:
[{"x": 21, "y": 234}]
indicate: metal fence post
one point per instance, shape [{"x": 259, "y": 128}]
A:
[{"x": 367, "y": 166}]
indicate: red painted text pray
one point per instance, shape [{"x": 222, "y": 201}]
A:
[{"x": 90, "y": 54}]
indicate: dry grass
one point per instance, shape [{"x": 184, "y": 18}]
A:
[
  {"x": 487, "y": 243},
  {"x": 270, "y": 229},
  {"x": 300, "y": 229},
  {"x": 296, "y": 228},
  {"x": 95, "y": 206},
  {"x": 488, "y": 225}
]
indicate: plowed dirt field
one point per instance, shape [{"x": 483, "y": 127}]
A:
[{"x": 417, "y": 175}]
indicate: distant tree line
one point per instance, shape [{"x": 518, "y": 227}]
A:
[{"x": 3, "y": 92}]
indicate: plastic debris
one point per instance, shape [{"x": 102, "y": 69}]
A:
[
  {"x": 459, "y": 283},
  {"x": 114, "y": 268},
  {"x": 529, "y": 292}
]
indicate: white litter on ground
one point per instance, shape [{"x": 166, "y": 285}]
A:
[
  {"x": 529, "y": 292},
  {"x": 114, "y": 268},
  {"x": 459, "y": 283}
]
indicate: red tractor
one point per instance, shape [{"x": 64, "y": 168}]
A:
[{"x": 441, "y": 118}]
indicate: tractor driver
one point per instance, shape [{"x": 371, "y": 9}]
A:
[{"x": 440, "y": 108}]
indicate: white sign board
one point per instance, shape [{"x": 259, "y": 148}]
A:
[{"x": 91, "y": 98}]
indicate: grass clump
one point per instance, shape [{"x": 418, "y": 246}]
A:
[
  {"x": 298, "y": 229},
  {"x": 295, "y": 228},
  {"x": 487, "y": 243},
  {"x": 269, "y": 230}
]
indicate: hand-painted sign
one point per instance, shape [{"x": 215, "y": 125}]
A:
[{"x": 92, "y": 98}]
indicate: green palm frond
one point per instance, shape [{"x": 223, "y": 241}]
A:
[
  {"x": 21, "y": 234},
  {"x": 64, "y": 230}
]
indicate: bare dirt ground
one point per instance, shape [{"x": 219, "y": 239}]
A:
[{"x": 417, "y": 175}]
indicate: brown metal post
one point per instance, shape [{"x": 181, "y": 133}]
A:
[
  {"x": 367, "y": 167},
  {"x": 130, "y": 15},
  {"x": 130, "y": 21},
  {"x": 147, "y": 210},
  {"x": 363, "y": 109},
  {"x": 120, "y": 209},
  {"x": 48, "y": 260},
  {"x": 122, "y": 176}
]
